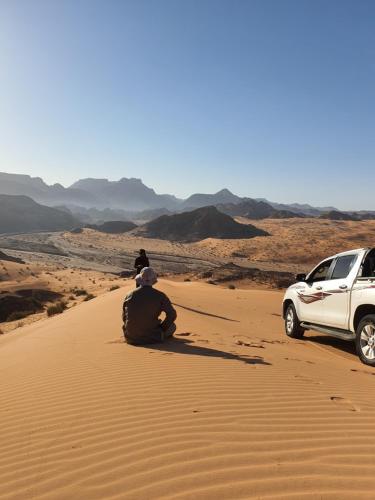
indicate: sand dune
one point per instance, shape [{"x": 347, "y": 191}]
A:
[
  {"x": 294, "y": 244},
  {"x": 231, "y": 409}
]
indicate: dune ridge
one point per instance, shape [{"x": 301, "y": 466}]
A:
[{"x": 231, "y": 409}]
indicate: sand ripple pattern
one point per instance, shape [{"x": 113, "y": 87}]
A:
[{"x": 84, "y": 416}]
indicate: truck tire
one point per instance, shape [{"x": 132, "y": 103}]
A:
[
  {"x": 365, "y": 340},
  {"x": 292, "y": 324}
]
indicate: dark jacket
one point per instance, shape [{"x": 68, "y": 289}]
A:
[
  {"x": 141, "y": 310},
  {"x": 141, "y": 262}
]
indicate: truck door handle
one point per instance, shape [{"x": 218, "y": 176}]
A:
[
  {"x": 343, "y": 287},
  {"x": 319, "y": 287}
]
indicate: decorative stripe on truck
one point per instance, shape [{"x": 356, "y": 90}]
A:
[{"x": 314, "y": 297}]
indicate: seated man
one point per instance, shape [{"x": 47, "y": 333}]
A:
[{"x": 141, "y": 310}]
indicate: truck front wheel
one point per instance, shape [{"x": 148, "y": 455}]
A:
[
  {"x": 365, "y": 340},
  {"x": 292, "y": 324}
]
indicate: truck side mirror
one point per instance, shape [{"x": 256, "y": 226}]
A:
[{"x": 301, "y": 277}]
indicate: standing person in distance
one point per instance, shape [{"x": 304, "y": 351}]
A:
[{"x": 141, "y": 261}]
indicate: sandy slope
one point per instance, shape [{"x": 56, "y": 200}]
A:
[
  {"x": 293, "y": 244},
  {"x": 84, "y": 416}
]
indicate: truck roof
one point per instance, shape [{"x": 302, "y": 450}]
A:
[{"x": 350, "y": 252}]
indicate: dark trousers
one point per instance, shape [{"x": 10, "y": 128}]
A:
[{"x": 155, "y": 337}]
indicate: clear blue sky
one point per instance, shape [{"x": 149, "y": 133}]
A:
[{"x": 270, "y": 98}]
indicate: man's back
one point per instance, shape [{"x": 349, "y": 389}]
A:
[{"x": 141, "y": 311}]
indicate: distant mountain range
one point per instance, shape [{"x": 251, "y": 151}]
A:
[
  {"x": 253, "y": 209},
  {"x": 101, "y": 200},
  {"x": 203, "y": 200},
  {"x": 39, "y": 191},
  {"x": 126, "y": 194},
  {"x": 22, "y": 214}
]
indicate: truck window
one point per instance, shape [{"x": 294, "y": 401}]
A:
[
  {"x": 343, "y": 267},
  {"x": 368, "y": 268},
  {"x": 320, "y": 273}
]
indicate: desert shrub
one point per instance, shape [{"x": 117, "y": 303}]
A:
[
  {"x": 14, "y": 316},
  {"x": 114, "y": 287},
  {"x": 211, "y": 282},
  {"x": 80, "y": 292},
  {"x": 231, "y": 287},
  {"x": 56, "y": 308},
  {"x": 71, "y": 297},
  {"x": 1, "y": 332},
  {"x": 238, "y": 254},
  {"x": 187, "y": 279},
  {"x": 206, "y": 274},
  {"x": 89, "y": 296},
  {"x": 283, "y": 282}
]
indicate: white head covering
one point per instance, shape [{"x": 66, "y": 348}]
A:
[{"x": 147, "y": 277}]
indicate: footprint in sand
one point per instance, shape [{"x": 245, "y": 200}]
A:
[
  {"x": 302, "y": 360},
  {"x": 264, "y": 341},
  {"x": 307, "y": 379},
  {"x": 249, "y": 344},
  {"x": 361, "y": 371},
  {"x": 346, "y": 403}
]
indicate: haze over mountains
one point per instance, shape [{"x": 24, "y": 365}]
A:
[
  {"x": 100, "y": 200},
  {"x": 22, "y": 214},
  {"x": 130, "y": 195}
]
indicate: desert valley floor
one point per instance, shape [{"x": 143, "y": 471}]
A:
[{"x": 230, "y": 409}]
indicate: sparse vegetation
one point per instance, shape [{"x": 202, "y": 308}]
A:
[
  {"x": 14, "y": 316},
  {"x": 114, "y": 287},
  {"x": 56, "y": 308},
  {"x": 80, "y": 292},
  {"x": 231, "y": 287},
  {"x": 89, "y": 296}
]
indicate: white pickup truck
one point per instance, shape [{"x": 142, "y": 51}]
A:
[{"x": 336, "y": 298}]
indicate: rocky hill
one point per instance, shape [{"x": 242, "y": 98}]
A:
[
  {"x": 253, "y": 209},
  {"x": 203, "y": 200},
  {"x": 336, "y": 215},
  {"x": 113, "y": 227},
  {"x": 10, "y": 258},
  {"x": 206, "y": 222},
  {"x": 22, "y": 214}
]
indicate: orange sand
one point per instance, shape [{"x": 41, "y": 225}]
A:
[{"x": 233, "y": 410}]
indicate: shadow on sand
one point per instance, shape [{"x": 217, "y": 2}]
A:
[
  {"x": 204, "y": 313},
  {"x": 184, "y": 346},
  {"x": 341, "y": 345}
]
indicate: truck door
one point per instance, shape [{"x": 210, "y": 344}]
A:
[
  {"x": 310, "y": 294},
  {"x": 336, "y": 290}
]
